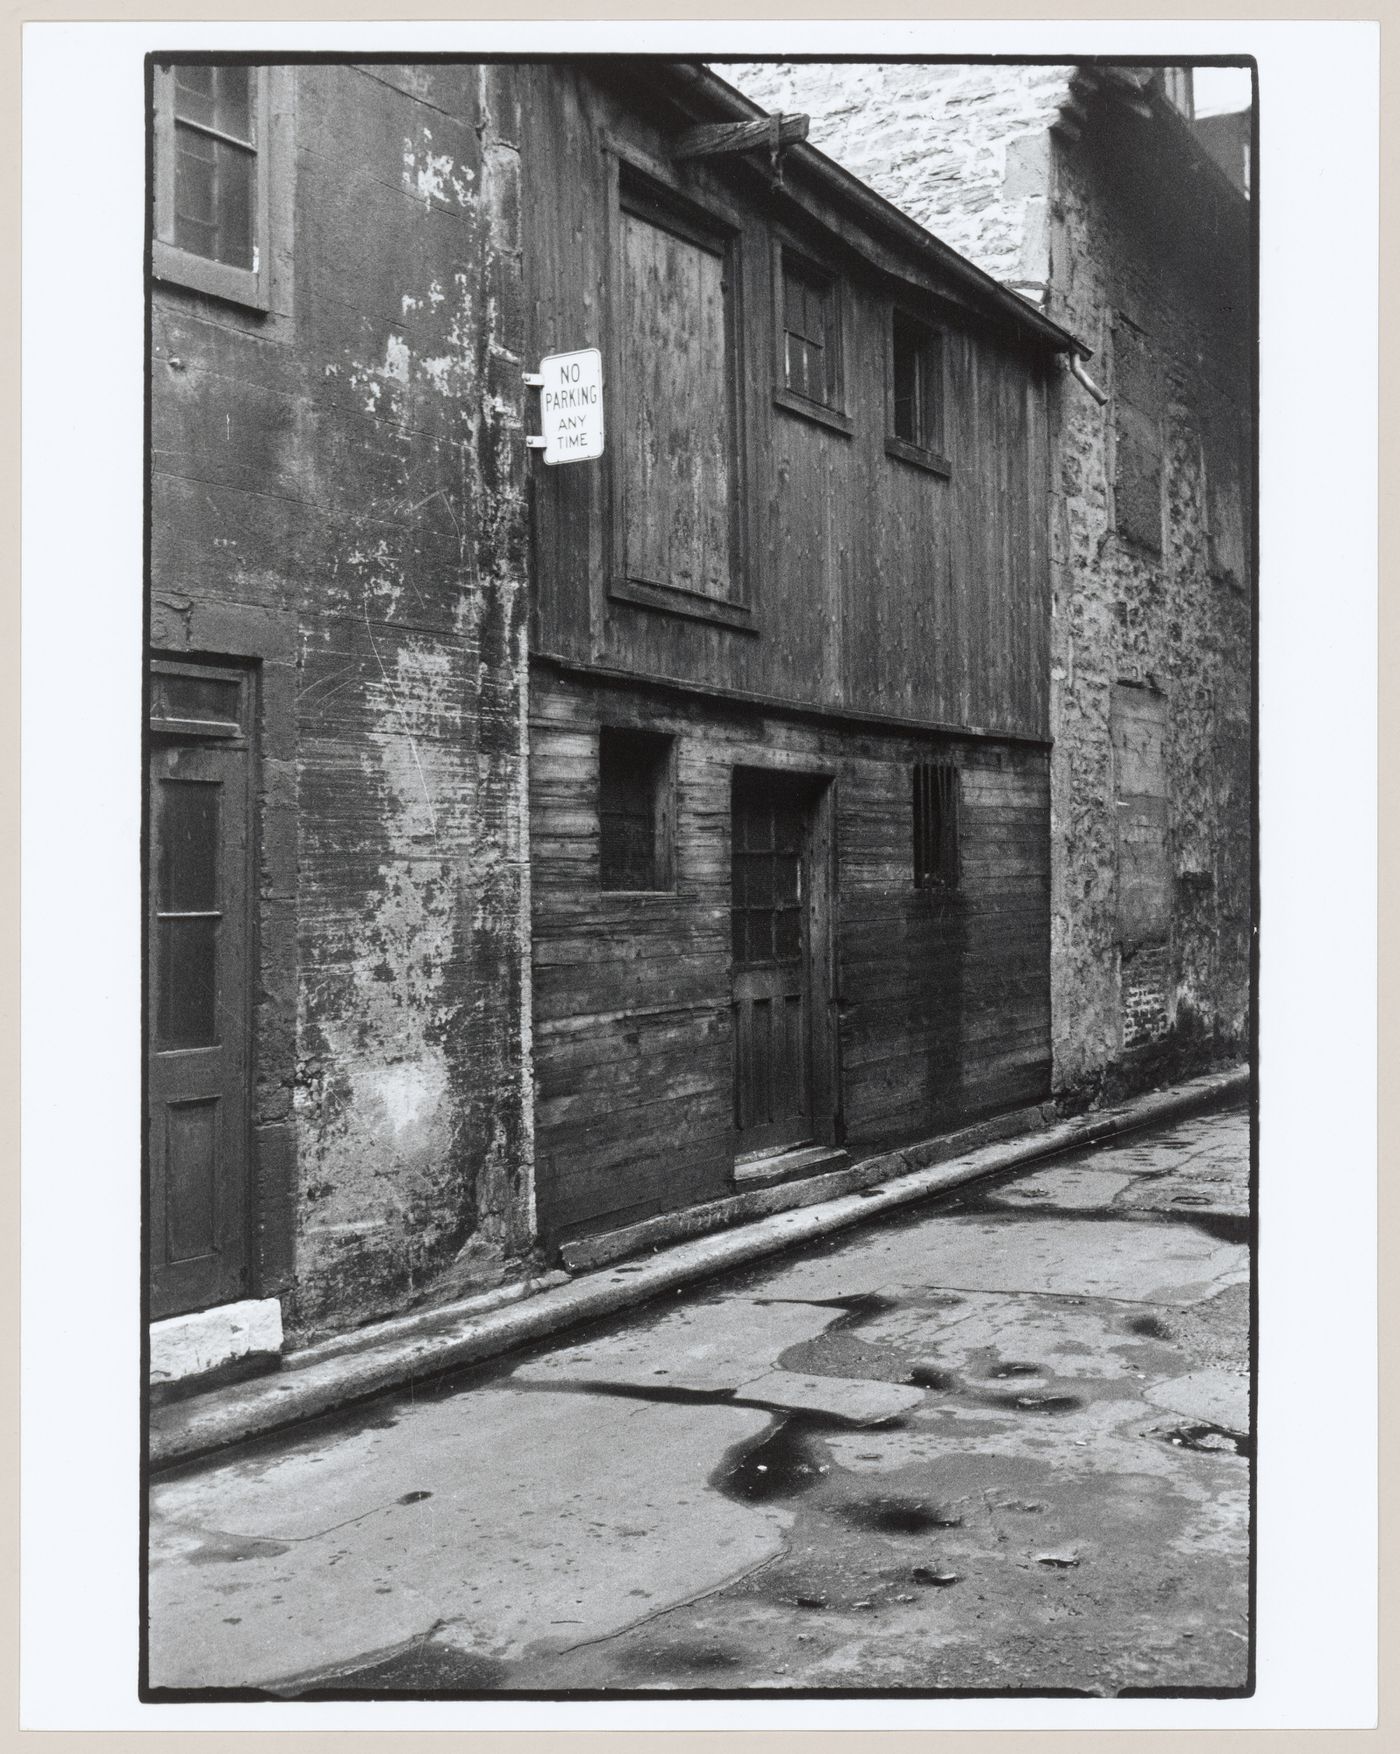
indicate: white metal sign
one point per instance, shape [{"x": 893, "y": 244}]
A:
[{"x": 571, "y": 405}]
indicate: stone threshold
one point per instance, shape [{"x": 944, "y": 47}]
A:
[{"x": 750, "y": 1226}]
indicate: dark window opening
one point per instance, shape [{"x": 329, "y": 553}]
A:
[
  {"x": 634, "y": 809},
  {"x": 811, "y": 354},
  {"x": 917, "y": 372},
  {"x": 935, "y": 792}
]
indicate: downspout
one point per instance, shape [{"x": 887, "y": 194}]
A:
[{"x": 1076, "y": 366}]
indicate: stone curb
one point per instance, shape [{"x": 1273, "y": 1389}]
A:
[{"x": 447, "y": 1340}]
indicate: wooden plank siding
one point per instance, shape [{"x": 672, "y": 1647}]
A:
[
  {"x": 876, "y": 586},
  {"x": 941, "y": 999},
  {"x": 882, "y": 605}
]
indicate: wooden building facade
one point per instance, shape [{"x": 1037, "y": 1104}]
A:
[
  {"x": 536, "y": 850},
  {"x": 789, "y": 723}
]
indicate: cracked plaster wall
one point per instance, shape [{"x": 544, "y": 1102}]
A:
[
  {"x": 347, "y": 470},
  {"x": 968, "y": 152}
]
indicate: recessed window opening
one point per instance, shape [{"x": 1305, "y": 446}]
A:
[
  {"x": 916, "y": 366},
  {"x": 935, "y": 814},
  {"x": 215, "y": 163},
  {"x": 211, "y": 180},
  {"x": 635, "y": 809},
  {"x": 810, "y": 356}
]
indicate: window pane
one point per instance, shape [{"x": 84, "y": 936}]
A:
[
  {"x": 187, "y": 983},
  {"x": 787, "y": 935},
  {"x": 212, "y": 699},
  {"x": 213, "y": 198},
  {"x": 187, "y": 836},
  {"x": 218, "y": 97},
  {"x": 916, "y": 369}
]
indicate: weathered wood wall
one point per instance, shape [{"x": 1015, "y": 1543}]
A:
[
  {"x": 876, "y": 586},
  {"x": 336, "y": 497},
  {"x": 943, "y": 999}
]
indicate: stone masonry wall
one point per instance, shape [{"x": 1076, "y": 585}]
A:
[
  {"x": 345, "y": 471},
  {"x": 968, "y": 152}
]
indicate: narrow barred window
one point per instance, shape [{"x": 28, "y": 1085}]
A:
[{"x": 935, "y": 798}]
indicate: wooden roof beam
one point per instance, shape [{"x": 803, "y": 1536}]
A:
[{"x": 714, "y": 139}]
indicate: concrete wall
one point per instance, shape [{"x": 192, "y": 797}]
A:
[
  {"x": 1129, "y": 239},
  {"x": 337, "y": 496}
]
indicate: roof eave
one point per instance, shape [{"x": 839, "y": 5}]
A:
[{"x": 881, "y": 215}]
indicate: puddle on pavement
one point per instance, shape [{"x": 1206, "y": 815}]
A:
[
  {"x": 897, "y": 1516},
  {"x": 786, "y": 1461},
  {"x": 1209, "y": 1440},
  {"x": 1024, "y": 1403},
  {"x": 1151, "y": 1327},
  {"x": 926, "y": 1376},
  {"x": 984, "y": 1202},
  {"x": 414, "y": 1497},
  {"x": 230, "y": 1549},
  {"x": 858, "y": 1307}
]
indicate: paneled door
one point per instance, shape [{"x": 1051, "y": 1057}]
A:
[
  {"x": 772, "y": 964},
  {"x": 198, "y": 988}
]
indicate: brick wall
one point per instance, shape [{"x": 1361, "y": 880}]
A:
[
  {"x": 1131, "y": 238},
  {"x": 336, "y": 493}
]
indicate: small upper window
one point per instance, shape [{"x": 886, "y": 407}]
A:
[
  {"x": 811, "y": 363},
  {"x": 916, "y": 392},
  {"x": 211, "y": 180},
  {"x": 935, "y": 825},
  {"x": 634, "y": 809}
]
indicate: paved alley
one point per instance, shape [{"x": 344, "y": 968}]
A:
[{"x": 997, "y": 1441}]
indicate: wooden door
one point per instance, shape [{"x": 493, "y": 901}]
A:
[
  {"x": 772, "y": 967},
  {"x": 197, "y": 990}
]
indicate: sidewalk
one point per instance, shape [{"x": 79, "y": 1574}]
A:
[{"x": 392, "y": 1354}]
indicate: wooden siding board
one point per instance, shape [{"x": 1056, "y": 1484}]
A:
[
  {"x": 944, "y": 1001},
  {"x": 876, "y": 586}
]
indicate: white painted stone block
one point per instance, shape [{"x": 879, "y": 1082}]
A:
[{"x": 188, "y": 1345}]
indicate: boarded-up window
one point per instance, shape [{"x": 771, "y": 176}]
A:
[
  {"x": 1137, "y": 431},
  {"x": 1139, "y": 727},
  {"x": 678, "y": 400},
  {"x": 1228, "y": 512}
]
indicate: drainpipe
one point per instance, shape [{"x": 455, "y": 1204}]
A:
[{"x": 1076, "y": 366}]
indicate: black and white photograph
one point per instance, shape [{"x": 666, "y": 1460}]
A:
[{"x": 699, "y": 877}]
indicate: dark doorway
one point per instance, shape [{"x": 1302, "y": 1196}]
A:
[
  {"x": 198, "y": 987},
  {"x": 778, "y": 911}
]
